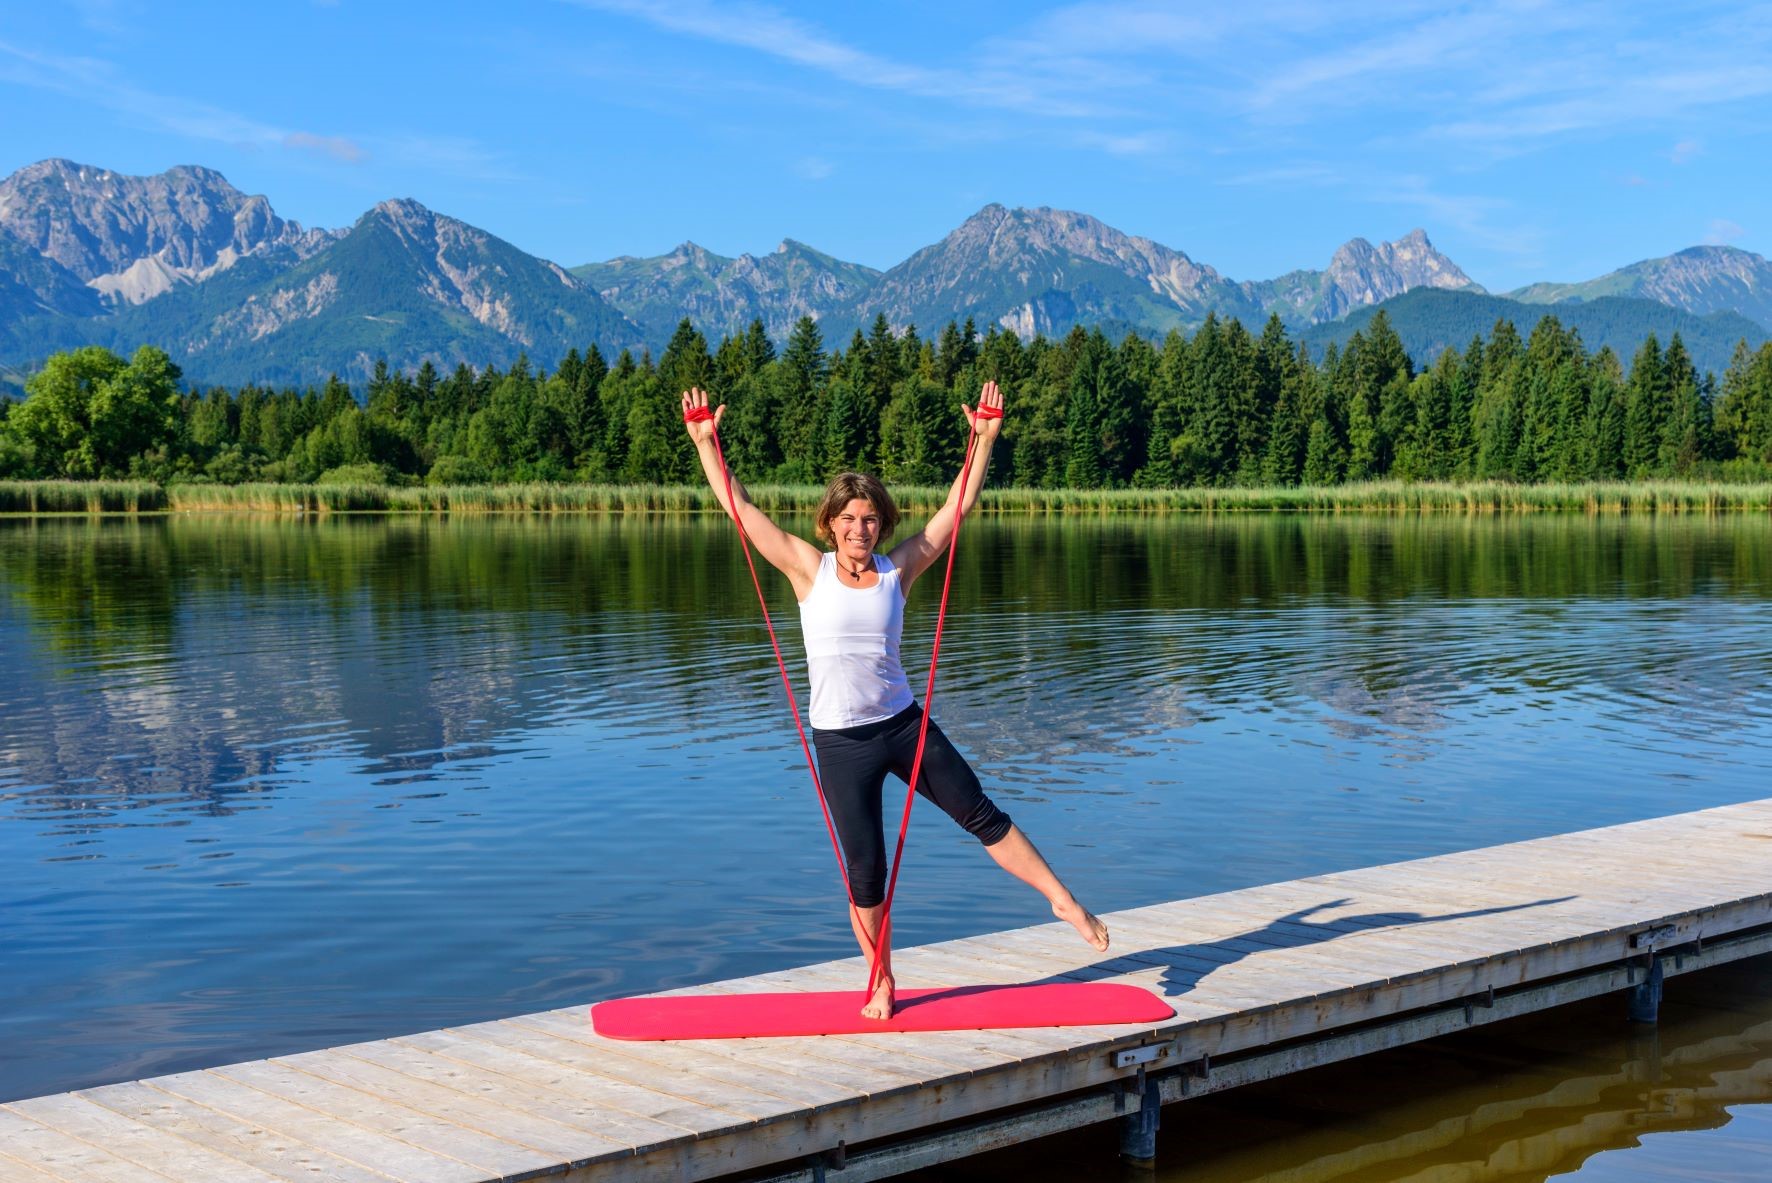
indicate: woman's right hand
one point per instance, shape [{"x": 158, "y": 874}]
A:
[{"x": 700, "y": 430}]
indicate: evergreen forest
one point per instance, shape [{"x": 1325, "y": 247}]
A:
[{"x": 1219, "y": 407}]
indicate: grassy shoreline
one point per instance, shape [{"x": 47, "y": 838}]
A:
[{"x": 88, "y": 498}]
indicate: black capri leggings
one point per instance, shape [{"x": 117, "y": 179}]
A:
[{"x": 852, "y": 766}]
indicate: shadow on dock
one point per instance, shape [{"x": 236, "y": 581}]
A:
[{"x": 1185, "y": 966}]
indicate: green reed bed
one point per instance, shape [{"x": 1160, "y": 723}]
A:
[
  {"x": 42, "y": 497},
  {"x": 128, "y": 497}
]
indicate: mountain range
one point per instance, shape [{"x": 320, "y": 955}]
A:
[{"x": 238, "y": 294}]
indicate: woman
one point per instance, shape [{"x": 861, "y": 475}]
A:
[{"x": 864, "y": 718}]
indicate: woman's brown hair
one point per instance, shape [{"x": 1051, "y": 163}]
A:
[{"x": 851, "y": 486}]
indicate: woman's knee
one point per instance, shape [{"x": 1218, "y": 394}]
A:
[
  {"x": 867, "y": 889},
  {"x": 986, "y": 822}
]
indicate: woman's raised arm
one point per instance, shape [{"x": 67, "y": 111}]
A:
[
  {"x": 794, "y": 557},
  {"x": 915, "y": 554}
]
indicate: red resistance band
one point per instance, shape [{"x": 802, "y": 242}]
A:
[{"x": 703, "y": 414}]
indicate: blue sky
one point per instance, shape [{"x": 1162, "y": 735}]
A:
[{"x": 1532, "y": 141}]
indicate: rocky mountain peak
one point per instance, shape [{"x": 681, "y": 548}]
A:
[
  {"x": 133, "y": 238},
  {"x": 403, "y": 212},
  {"x": 1360, "y": 273},
  {"x": 693, "y": 254}
]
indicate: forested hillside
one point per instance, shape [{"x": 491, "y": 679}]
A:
[
  {"x": 1430, "y": 320},
  {"x": 1219, "y": 407}
]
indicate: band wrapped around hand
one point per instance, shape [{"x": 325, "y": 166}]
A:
[
  {"x": 986, "y": 411},
  {"x": 697, "y": 415}
]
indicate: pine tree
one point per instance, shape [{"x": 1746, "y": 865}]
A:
[
  {"x": 1605, "y": 418},
  {"x": 1687, "y": 435},
  {"x": 658, "y": 448},
  {"x": 1744, "y": 412},
  {"x": 1648, "y": 406},
  {"x": 1082, "y": 465},
  {"x": 846, "y": 436},
  {"x": 1497, "y": 408},
  {"x": 803, "y": 368},
  {"x": 686, "y": 363},
  {"x": 1165, "y": 412},
  {"x": 1119, "y": 415},
  {"x": 1295, "y": 408},
  {"x": 914, "y": 434},
  {"x": 1040, "y": 418},
  {"x": 1387, "y": 374}
]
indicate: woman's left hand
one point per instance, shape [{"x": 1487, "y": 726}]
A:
[{"x": 987, "y": 425}]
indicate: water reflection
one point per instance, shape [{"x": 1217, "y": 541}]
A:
[
  {"x": 267, "y": 784},
  {"x": 178, "y": 658},
  {"x": 1519, "y": 1102}
]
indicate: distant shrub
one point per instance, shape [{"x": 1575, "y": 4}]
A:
[
  {"x": 230, "y": 467},
  {"x": 15, "y": 458},
  {"x": 457, "y": 470},
  {"x": 354, "y": 474}
]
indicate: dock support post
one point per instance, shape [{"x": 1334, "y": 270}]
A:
[
  {"x": 1645, "y": 996},
  {"x": 1138, "y": 1131}
]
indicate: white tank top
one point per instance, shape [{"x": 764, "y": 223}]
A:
[{"x": 852, "y": 636}]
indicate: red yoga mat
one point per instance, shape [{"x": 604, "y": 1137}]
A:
[{"x": 956, "y": 1008}]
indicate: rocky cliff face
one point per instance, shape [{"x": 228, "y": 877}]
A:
[
  {"x": 1044, "y": 270},
  {"x": 1359, "y": 275},
  {"x": 405, "y": 283},
  {"x": 134, "y": 238},
  {"x": 1700, "y": 279},
  {"x": 31, "y": 285},
  {"x": 723, "y": 295}
]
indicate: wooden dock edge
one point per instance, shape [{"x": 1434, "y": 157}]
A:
[{"x": 1164, "y": 1078}]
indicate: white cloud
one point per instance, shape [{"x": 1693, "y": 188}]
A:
[
  {"x": 1722, "y": 231},
  {"x": 812, "y": 168},
  {"x": 1145, "y": 143},
  {"x": 768, "y": 30},
  {"x": 99, "y": 82},
  {"x": 337, "y": 147},
  {"x": 1685, "y": 151}
]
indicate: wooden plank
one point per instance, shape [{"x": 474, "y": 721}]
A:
[
  {"x": 17, "y": 1170},
  {"x": 669, "y": 1060},
  {"x": 149, "y": 1146},
  {"x": 386, "y": 1154},
  {"x": 270, "y": 1152},
  {"x": 690, "y": 1099},
  {"x": 643, "y": 1131},
  {"x": 504, "y": 1092},
  {"x": 68, "y": 1159},
  {"x": 466, "y": 1103},
  {"x": 487, "y": 1154}
]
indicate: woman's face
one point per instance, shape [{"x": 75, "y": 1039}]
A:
[{"x": 855, "y": 529}]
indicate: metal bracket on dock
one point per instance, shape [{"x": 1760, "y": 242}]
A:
[
  {"x": 1486, "y": 1000},
  {"x": 1150, "y": 1053},
  {"x": 1658, "y": 935}
]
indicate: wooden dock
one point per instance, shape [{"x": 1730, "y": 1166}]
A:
[{"x": 1265, "y": 981}]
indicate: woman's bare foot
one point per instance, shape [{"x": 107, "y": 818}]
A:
[
  {"x": 1087, "y": 923},
  {"x": 880, "y": 1005}
]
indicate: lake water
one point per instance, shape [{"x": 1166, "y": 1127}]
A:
[{"x": 272, "y": 785}]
